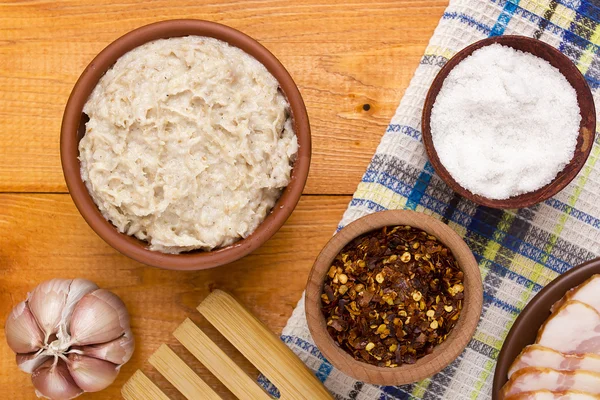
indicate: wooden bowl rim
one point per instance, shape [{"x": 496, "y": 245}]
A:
[
  {"x": 443, "y": 354},
  {"x": 587, "y": 127},
  {"x": 70, "y": 136},
  {"x": 525, "y": 328}
]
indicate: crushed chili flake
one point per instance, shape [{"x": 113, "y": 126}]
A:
[{"x": 392, "y": 295}]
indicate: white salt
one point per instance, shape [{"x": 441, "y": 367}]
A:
[{"x": 505, "y": 122}]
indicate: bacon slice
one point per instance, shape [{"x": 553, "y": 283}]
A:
[
  {"x": 588, "y": 292},
  {"x": 533, "y": 379},
  {"x": 574, "y": 328},
  {"x": 540, "y": 356},
  {"x": 547, "y": 395}
]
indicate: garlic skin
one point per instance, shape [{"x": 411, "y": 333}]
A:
[
  {"x": 79, "y": 288},
  {"x": 22, "y": 332},
  {"x": 99, "y": 317},
  {"x": 30, "y": 362},
  {"x": 117, "y": 351},
  {"x": 53, "y": 381},
  {"x": 92, "y": 374},
  {"x": 71, "y": 336},
  {"x": 47, "y": 302}
]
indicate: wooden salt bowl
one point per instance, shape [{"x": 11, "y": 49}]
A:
[
  {"x": 587, "y": 127},
  {"x": 443, "y": 354}
]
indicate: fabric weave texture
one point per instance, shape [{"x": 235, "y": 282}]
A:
[{"x": 518, "y": 251}]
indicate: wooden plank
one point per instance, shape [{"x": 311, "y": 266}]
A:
[
  {"x": 139, "y": 387},
  {"x": 217, "y": 362},
  {"x": 262, "y": 348},
  {"x": 43, "y": 236},
  {"x": 181, "y": 375},
  {"x": 342, "y": 55}
]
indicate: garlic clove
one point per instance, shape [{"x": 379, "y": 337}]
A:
[
  {"x": 117, "y": 351},
  {"x": 53, "y": 381},
  {"x": 30, "y": 362},
  {"x": 98, "y": 317},
  {"x": 47, "y": 302},
  {"x": 92, "y": 374},
  {"x": 22, "y": 332},
  {"x": 78, "y": 289}
]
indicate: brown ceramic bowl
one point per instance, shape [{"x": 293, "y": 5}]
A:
[
  {"x": 537, "y": 311},
  {"x": 73, "y": 129},
  {"x": 587, "y": 128},
  {"x": 443, "y": 354}
]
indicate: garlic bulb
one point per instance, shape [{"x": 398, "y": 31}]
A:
[{"x": 71, "y": 336}]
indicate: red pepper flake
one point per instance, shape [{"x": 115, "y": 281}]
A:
[{"x": 392, "y": 295}]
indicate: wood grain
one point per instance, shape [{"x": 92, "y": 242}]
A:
[
  {"x": 262, "y": 348},
  {"x": 342, "y": 55},
  {"x": 180, "y": 375},
  {"x": 218, "y": 362},
  {"x": 43, "y": 237},
  {"x": 139, "y": 387}
]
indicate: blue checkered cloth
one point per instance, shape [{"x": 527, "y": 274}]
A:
[{"x": 518, "y": 251}]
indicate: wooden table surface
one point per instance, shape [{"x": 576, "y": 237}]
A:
[{"x": 342, "y": 54}]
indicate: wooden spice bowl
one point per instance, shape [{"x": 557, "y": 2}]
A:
[
  {"x": 442, "y": 354},
  {"x": 587, "y": 127}
]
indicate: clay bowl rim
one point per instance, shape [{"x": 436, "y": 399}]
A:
[
  {"x": 525, "y": 328},
  {"x": 443, "y": 354},
  {"x": 71, "y": 134},
  {"x": 587, "y": 127}
]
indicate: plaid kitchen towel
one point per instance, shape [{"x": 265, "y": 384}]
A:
[{"x": 519, "y": 251}]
